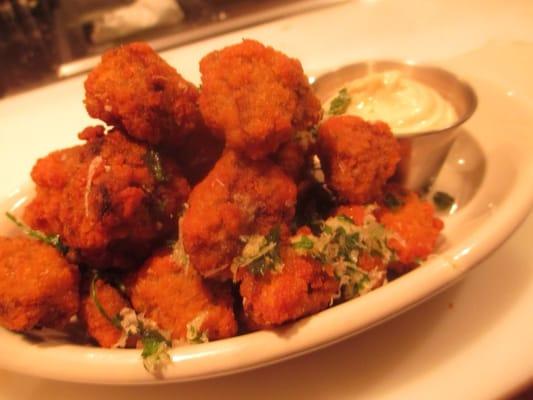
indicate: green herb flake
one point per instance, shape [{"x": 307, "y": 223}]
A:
[
  {"x": 304, "y": 243},
  {"x": 340, "y": 104},
  {"x": 392, "y": 201},
  {"x": 155, "y": 350},
  {"x": 260, "y": 254},
  {"x": 153, "y": 161},
  {"x": 443, "y": 201},
  {"x": 345, "y": 218},
  {"x": 52, "y": 240},
  {"x": 115, "y": 320}
]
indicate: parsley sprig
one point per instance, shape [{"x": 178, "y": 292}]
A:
[
  {"x": 260, "y": 253},
  {"x": 155, "y": 344},
  {"x": 52, "y": 240},
  {"x": 340, "y": 104}
]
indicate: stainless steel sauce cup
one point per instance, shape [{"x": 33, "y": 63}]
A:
[{"x": 423, "y": 153}]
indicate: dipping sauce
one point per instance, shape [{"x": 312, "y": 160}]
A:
[{"x": 407, "y": 105}]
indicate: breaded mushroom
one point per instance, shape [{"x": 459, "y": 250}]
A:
[
  {"x": 96, "y": 322},
  {"x": 357, "y": 157},
  {"x": 133, "y": 88},
  {"x": 303, "y": 287},
  {"x": 255, "y": 97},
  {"x": 416, "y": 227},
  {"x": 109, "y": 199},
  {"x": 180, "y": 301},
  {"x": 38, "y": 287},
  {"x": 238, "y": 197}
]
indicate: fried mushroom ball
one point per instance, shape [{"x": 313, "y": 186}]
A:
[
  {"x": 255, "y": 97},
  {"x": 96, "y": 323},
  {"x": 416, "y": 226},
  {"x": 38, "y": 287},
  {"x": 357, "y": 157},
  {"x": 303, "y": 287},
  {"x": 135, "y": 89},
  {"x": 109, "y": 199},
  {"x": 175, "y": 296},
  {"x": 238, "y": 197}
]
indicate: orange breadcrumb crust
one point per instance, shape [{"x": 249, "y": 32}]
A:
[
  {"x": 357, "y": 157},
  {"x": 238, "y": 197},
  {"x": 303, "y": 287},
  {"x": 38, "y": 287},
  {"x": 173, "y": 296},
  {"x": 104, "y": 200},
  {"x": 98, "y": 327},
  {"x": 417, "y": 229},
  {"x": 134, "y": 88},
  {"x": 255, "y": 97}
]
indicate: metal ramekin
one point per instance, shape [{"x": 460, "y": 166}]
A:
[{"x": 423, "y": 153}]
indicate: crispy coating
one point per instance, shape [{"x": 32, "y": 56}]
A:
[
  {"x": 357, "y": 157},
  {"x": 239, "y": 197},
  {"x": 417, "y": 227},
  {"x": 38, "y": 287},
  {"x": 173, "y": 296},
  {"x": 255, "y": 97},
  {"x": 105, "y": 199},
  {"x": 97, "y": 325},
  {"x": 303, "y": 287},
  {"x": 135, "y": 89}
]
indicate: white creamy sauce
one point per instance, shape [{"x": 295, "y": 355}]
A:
[{"x": 406, "y": 105}]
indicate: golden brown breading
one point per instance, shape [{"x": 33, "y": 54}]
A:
[
  {"x": 303, "y": 287},
  {"x": 357, "y": 157},
  {"x": 38, "y": 287},
  {"x": 417, "y": 228},
  {"x": 135, "y": 89},
  {"x": 255, "y": 97},
  {"x": 97, "y": 325},
  {"x": 106, "y": 198},
  {"x": 174, "y": 296},
  {"x": 239, "y": 197}
]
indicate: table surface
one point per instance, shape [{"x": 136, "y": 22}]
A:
[{"x": 461, "y": 343}]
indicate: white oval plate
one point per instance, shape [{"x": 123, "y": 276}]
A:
[{"x": 489, "y": 171}]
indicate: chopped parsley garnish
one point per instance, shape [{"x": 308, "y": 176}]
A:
[
  {"x": 443, "y": 201},
  {"x": 345, "y": 218},
  {"x": 340, "y": 243},
  {"x": 52, "y": 240},
  {"x": 260, "y": 254},
  {"x": 270, "y": 259},
  {"x": 155, "y": 343},
  {"x": 195, "y": 335},
  {"x": 340, "y": 104},
  {"x": 114, "y": 320},
  {"x": 303, "y": 243},
  {"x": 392, "y": 201},
  {"x": 155, "y": 349},
  {"x": 153, "y": 161}
]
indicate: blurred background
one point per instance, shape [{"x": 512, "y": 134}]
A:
[{"x": 45, "y": 40}]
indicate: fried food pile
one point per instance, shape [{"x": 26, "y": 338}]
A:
[{"x": 195, "y": 214}]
